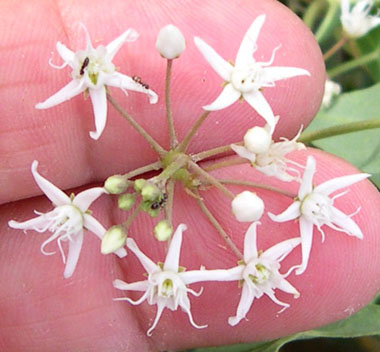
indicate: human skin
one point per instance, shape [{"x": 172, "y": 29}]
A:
[{"x": 42, "y": 311}]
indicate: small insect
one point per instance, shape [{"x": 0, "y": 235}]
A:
[
  {"x": 84, "y": 65},
  {"x": 137, "y": 79},
  {"x": 160, "y": 203}
]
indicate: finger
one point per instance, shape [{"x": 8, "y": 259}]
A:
[{"x": 58, "y": 136}]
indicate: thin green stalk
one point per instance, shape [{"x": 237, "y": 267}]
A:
[
  {"x": 131, "y": 217},
  {"x": 211, "y": 152},
  {"x": 179, "y": 162},
  {"x": 307, "y": 137},
  {"x": 334, "y": 49},
  {"x": 218, "y": 227},
  {"x": 350, "y": 65},
  {"x": 142, "y": 170},
  {"x": 183, "y": 145},
  {"x": 136, "y": 126},
  {"x": 169, "y": 114},
  {"x": 325, "y": 26},
  {"x": 312, "y": 12},
  {"x": 169, "y": 202},
  {"x": 225, "y": 163}
]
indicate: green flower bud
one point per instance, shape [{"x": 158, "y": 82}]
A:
[
  {"x": 163, "y": 231},
  {"x": 150, "y": 192},
  {"x": 139, "y": 184},
  {"x": 116, "y": 184},
  {"x": 126, "y": 201},
  {"x": 114, "y": 239}
]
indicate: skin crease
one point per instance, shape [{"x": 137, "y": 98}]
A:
[{"x": 41, "y": 311}]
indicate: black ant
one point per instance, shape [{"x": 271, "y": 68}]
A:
[
  {"x": 160, "y": 203},
  {"x": 137, "y": 79},
  {"x": 84, "y": 65}
]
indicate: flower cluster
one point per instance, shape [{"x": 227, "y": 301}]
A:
[{"x": 167, "y": 284}]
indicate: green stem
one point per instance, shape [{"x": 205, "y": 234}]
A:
[
  {"x": 211, "y": 152},
  {"x": 350, "y": 65},
  {"x": 225, "y": 163},
  {"x": 210, "y": 179},
  {"x": 136, "y": 126},
  {"x": 307, "y": 137},
  {"x": 131, "y": 217},
  {"x": 169, "y": 115},
  {"x": 169, "y": 202},
  {"x": 337, "y": 46},
  {"x": 325, "y": 26},
  {"x": 183, "y": 145},
  {"x": 142, "y": 170},
  {"x": 312, "y": 12},
  {"x": 179, "y": 162},
  {"x": 218, "y": 227}
]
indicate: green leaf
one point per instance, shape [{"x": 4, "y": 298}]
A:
[{"x": 360, "y": 148}]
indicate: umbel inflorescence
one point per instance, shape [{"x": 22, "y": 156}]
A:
[{"x": 168, "y": 284}]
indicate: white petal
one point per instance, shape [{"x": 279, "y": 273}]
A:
[
  {"x": 130, "y": 35},
  {"x": 66, "y": 54},
  {"x": 87, "y": 36},
  {"x": 345, "y": 223},
  {"x": 146, "y": 262},
  {"x": 160, "y": 308},
  {"x": 234, "y": 274},
  {"x": 134, "y": 286},
  {"x": 257, "y": 100},
  {"x": 172, "y": 257},
  {"x": 246, "y": 300},
  {"x": 52, "y": 192},
  {"x": 334, "y": 184},
  {"x": 75, "y": 246},
  {"x": 125, "y": 82},
  {"x": 306, "y": 186},
  {"x": 99, "y": 105},
  {"x": 248, "y": 45},
  {"x": 37, "y": 224},
  {"x": 84, "y": 199},
  {"x": 274, "y": 73},
  {"x": 226, "y": 98},
  {"x": 221, "y": 66},
  {"x": 280, "y": 250},
  {"x": 272, "y": 296},
  {"x": 292, "y": 212},
  {"x": 250, "y": 248},
  {"x": 243, "y": 152},
  {"x": 285, "y": 286},
  {"x": 345, "y": 7},
  {"x": 306, "y": 229},
  {"x": 69, "y": 91},
  {"x": 185, "y": 305}
]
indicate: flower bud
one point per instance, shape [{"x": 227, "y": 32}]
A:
[
  {"x": 257, "y": 140},
  {"x": 163, "y": 231},
  {"x": 247, "y": 207},
  {"x": 139, "y": 184},
  {"x": 114, "y": 239},
  {"x": 126, "y": 201},
  {"x": 116, "y": 184},
  {"x": 150, "y": 192},
  {"x": 170, "y": 42}
]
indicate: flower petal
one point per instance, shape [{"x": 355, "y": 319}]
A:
[
  {"x": 280, "y": 250},
  {"x": 226, "y": 98},
  {"x": 285, "y": 286},
  {"x": 306, "y": 186},
  {"x": 37, "y": 224},
  {"x": 75, "y": 246},
  {"x": 250, "y": 248},
  {"x": 292, "y": 212},
  {"x": 146, "y": 262},
  {"x": 345, "y": 223},
  {"x": 248, "y": 45},
  {"x": 130, "y": 35},
  {"x": 221, "y": 66},
  {"x": 134, "y": 286},
  {"x": 276, "y": 73},
  {"x": 52, "y": 192},
  {"x": 192, "y": 276},
  {"x": 306, "y": 229},
  {"x": 172, "y": 257},
  {"x": 125, "y": 82},
  {"x": 243, "y": 152},
  {"x": 99, "y": 105},
  {"x": 84, "y": 199},
  {"x": 257, "y": 100},
  {"x": 93, "y": 225},
  {"x": 246, "y": 300},
  {"x": 69, "y": 91},
  {"x": 160, "y": 308},
  {"x": 334, "y": 184},
  {"x": 65, "y": 53},
  {"x": 345, "y": 7}
]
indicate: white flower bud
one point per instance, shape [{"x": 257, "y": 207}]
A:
[
  {"x": 170, "y": 42},
  {"x": 163, "y": 231},
  {"x": 257, "y": 140},
  {"x": 116, "y": 184},
  {"x": 150, "y": 192},
  {"x": 126, "y": 201},
  {"x": 114, "y": 239},
  {"x": 247, "y": 207}
]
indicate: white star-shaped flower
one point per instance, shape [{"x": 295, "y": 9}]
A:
[
  {"x": 272, "y": 160},
  {"x": 247, "y": 78},
  {"x": 93, "y": 70},
  {"x": 66, "y": 221},
  {"x": 358, "y": 22},
  {"x": 313, "y": 206},
  {"x": 166, "y": 285},
  {"x": 261, "y": 273}
]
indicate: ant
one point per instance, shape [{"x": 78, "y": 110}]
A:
[
  {"x": 137, "y": 79},
  {"x": 84, "y": 65},
  {"x": 160, "y": 203}
]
